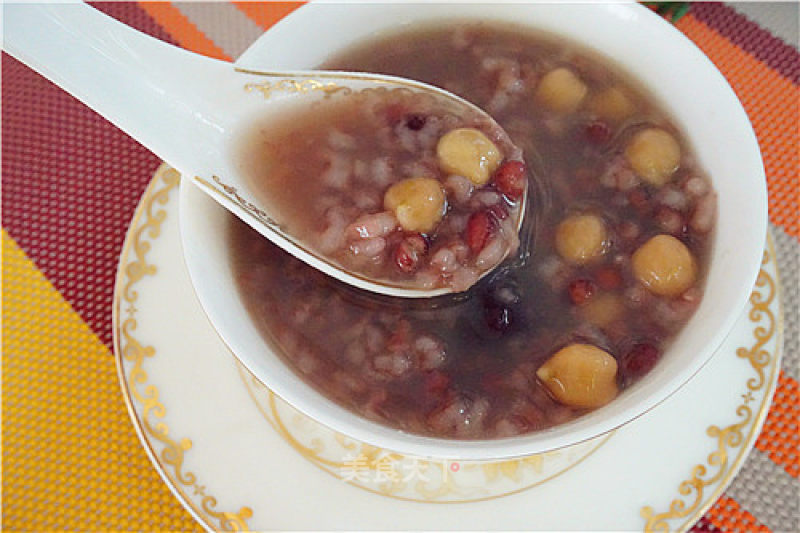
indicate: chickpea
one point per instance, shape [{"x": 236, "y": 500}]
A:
[
  {"x": 581, "y": 238},
  {"x": 469, "y": 153},
  {"x": 560, "y": 90},
  {"x": 654, "y": 155},
  {"x": 664, "y": 265},
  {"x": 602, "y": 309},
  {"x": 611, "y": 104},
  {"x": 417, "y": 203},
  {"x": 580, "y": 375}
]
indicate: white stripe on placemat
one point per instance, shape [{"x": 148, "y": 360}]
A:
[
  {"x": 223, "y": 23},
  {"x": 782, "y": 19},
  {"x": 768, "y": 492},
  {"x": 787, "y": 251},
  {"x": 763, "y": 487}
]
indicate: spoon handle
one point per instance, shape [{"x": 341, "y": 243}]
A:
[{"x": 126, "y": 76}]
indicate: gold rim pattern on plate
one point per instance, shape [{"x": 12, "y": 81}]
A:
[
  {"x": 146, "y": 227},
  {"x": 766, "y": 326},
  {"x": 697, "y": 493},
  {"x": 470, "y": 481},
  {"x": 734, "y": 441}
]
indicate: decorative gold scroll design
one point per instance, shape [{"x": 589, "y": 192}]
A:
[
  {"x": 374, "y": 458},
  {"x": 232, "y": 194},
  {"x": 732, "y": 436},
  {"x": 153, "y": 410},
  {"x": 267, "y": 88},
  {"x": 758, "y": 357},
  {"x": 437, "y": 486}
]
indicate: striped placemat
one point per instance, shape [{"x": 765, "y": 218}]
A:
[{"x": 70, "y": 456}]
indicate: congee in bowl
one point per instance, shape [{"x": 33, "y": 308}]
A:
[
  {"x": 611, "y": 267},
  {"x": 642, "y": 239}
]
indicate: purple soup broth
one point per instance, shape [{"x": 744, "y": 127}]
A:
[{"x": 469, "y": 367}]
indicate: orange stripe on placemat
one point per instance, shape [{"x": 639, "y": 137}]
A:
[
  {"x": 779, "y": 437},
  {"x": 727, "y": 515},
  {"x": 267, "y": 14},
  {"x": 182, "y": 29},
  {"x": 771, "y": 102}
]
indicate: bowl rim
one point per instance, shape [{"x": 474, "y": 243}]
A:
[{"x": 309, "y": 401}]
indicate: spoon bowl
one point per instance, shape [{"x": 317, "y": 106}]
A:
[{"x": 188, "y": 109}]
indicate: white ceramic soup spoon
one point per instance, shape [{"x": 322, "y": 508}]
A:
[{"x": 187, "y": 108}]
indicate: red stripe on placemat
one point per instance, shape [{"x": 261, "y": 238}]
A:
[
  {"x": 750, "y": 37},
  {"x": 71, "y": 182},
  {"x": 135, "y": 17},
  {"x": 704, "y": 525},
  {"x": 779, "y": 437}
]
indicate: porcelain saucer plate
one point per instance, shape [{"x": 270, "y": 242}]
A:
[{"x": 238, "y": 457}]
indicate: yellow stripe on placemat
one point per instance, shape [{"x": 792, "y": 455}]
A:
[{"x": 71, "y": 458}]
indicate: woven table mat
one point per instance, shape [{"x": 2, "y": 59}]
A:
[{"x": 71, "y": 459}]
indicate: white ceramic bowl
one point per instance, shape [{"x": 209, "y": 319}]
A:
[{"x": 668, "y": 64}]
